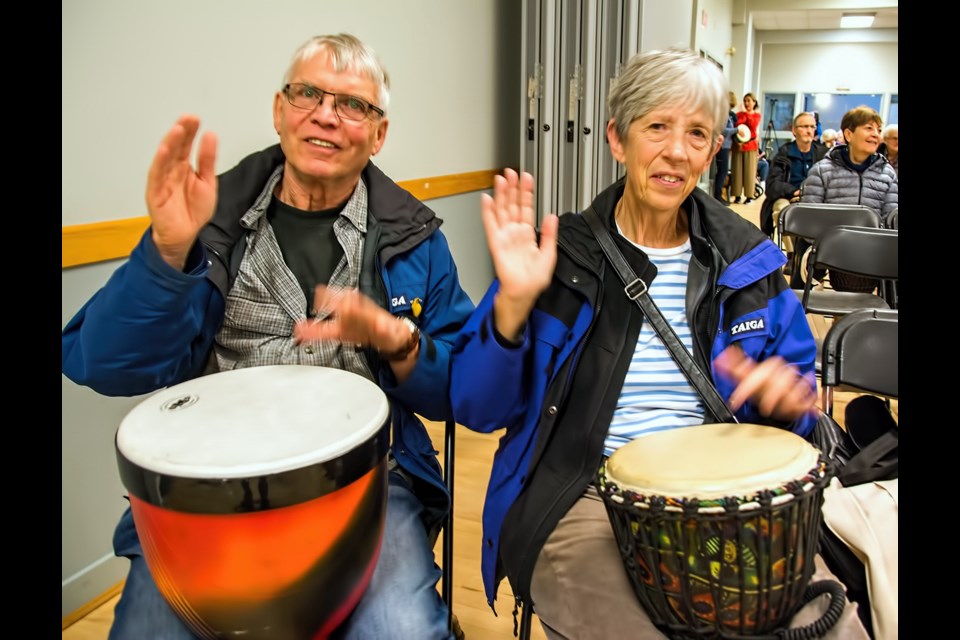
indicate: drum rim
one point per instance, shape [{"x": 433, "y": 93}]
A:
[
  {"x": 179, "y": 493},
  {"x": 698, "y": 462},
  {"x": 814, "y": 480},
  {"x": 217, "y": 399}
]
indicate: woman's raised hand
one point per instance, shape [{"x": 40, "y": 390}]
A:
[
  {"x": 181, "y": 200},
  {"x": 523, "y": 265}
]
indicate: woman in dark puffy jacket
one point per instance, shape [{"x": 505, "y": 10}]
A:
[{"x": 854, "y": 173}]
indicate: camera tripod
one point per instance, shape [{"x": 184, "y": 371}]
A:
[{"x": 770, "y": 133}]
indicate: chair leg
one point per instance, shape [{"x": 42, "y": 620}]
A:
[
  {"x": 448, "y": 476},
  {"x": 526, "y": 619}
]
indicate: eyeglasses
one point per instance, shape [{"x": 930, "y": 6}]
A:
[{"x": 348, "y": 107}]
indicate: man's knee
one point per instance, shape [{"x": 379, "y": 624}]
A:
[{"x": 142, "y": 611}]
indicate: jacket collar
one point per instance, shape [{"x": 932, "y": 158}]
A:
[
  {"x": 719, "y": 238},
  {"x": 401, "y": 219}
]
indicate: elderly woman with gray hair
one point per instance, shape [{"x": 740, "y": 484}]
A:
[{"x": 560, "y": 357}]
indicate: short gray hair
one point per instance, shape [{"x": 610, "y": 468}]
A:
[
  {"x": 348, "y": 53},
  {"x": 675, "y": 76},
  {"x": 890, "y": 128}
]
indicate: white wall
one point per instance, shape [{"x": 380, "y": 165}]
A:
[
  {"x": 716, "y": 36},
  {"x": 666, "y": 23},
  {"x": 129, "y": 68},
  {"x": 871, "y": 67}
]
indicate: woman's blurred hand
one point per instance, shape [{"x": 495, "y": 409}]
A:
[{"x": 774, "y": 386}]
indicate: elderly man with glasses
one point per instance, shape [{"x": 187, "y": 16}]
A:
[
  {"x": 788, "y": 170},
  {"x": 304, "y": 253}
]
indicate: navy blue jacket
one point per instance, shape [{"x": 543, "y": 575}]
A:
[{"x": 779, "y": 183}]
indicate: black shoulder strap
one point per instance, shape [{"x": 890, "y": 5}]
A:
[
  {"x": 873, "y": 462},
  {"x": 636, "y": 290}
]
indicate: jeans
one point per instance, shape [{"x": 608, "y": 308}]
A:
[
  {"x": 763, "y": 169},
  {"x": 723, "y": 168},
  {"x": 401, "y": 602}
]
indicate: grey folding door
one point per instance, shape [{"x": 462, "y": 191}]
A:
[{"x": 572, "y": 50}]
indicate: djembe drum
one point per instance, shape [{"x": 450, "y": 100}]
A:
[
  {"x": 259, "y": 497},
  {"x": 718, "y": 526}
]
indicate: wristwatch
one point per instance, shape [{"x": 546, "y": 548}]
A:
[{"x": 404, "y": 351}]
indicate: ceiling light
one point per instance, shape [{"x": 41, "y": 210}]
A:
[{"x": 857, "y": 20}]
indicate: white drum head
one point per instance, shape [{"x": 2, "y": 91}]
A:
[
  {"x": 251, "y": 422},
  {"x": 711, "y": 461}
]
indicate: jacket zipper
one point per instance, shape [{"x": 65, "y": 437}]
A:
[
  {"x": 597, "y": 304},
  {"x": 566, "y": 387},
  {"x": 699, "y": 347}
]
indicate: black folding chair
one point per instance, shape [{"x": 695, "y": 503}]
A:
[
  {"x": 806, "y": 221},
  {"x": 446, "y": 588},
  {"x": 893, "y": 219},
  {"x": 526, "y": 619},
  {"x": 860, "y": 251},
  {"x": 861, "y": 353}
]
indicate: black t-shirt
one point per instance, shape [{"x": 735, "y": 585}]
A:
[{"x": 308, "y": 244}]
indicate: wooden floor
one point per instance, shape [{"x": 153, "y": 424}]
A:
[{"x": 474, "y": 454}]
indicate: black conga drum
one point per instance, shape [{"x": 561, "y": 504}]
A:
[
  {"x": 259, "y": 496},
  {"x": 718, "y": 526}
]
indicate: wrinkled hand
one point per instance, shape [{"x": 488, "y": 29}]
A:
[
  {"x": 523, "y": 265},
  {"x": 774, "y": 386},
  {"x": 181, "y": 200},
  {"x": 348, "y": 316}
]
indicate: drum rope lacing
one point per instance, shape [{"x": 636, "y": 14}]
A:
[{"x": 736, "y": 509}]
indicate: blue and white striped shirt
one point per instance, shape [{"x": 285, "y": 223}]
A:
[{"x": 656, "y": 396}]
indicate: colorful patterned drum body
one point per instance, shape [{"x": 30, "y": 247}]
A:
[
  {"x": 717, "y": 525},
  {"x": 259, "y": 496}
]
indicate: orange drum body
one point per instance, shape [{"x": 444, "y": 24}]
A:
[
  {"x": 717, "y": 525},
  {"x": 259, "y": 497}
]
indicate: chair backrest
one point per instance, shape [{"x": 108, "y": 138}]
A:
[
  {"x": 809, "y": 220},
  {"x": 893, "y": 217},
  {"x": 861, "y": 350},
  {"x": 863, "y": 251}
]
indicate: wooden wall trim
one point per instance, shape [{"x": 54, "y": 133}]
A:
[
  {"x": 93, "y": 605},
  {"x": 100, "y": 241}
]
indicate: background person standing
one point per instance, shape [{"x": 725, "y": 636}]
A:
[
  {"x": 723, "y": 155},
  {"x": 744, "y": 167}
]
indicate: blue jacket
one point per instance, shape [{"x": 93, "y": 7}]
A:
[
  {"x": 151, "y": 326},
  {"x": 730, "y": 131},
  {"x": 735, "y": 294}
]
